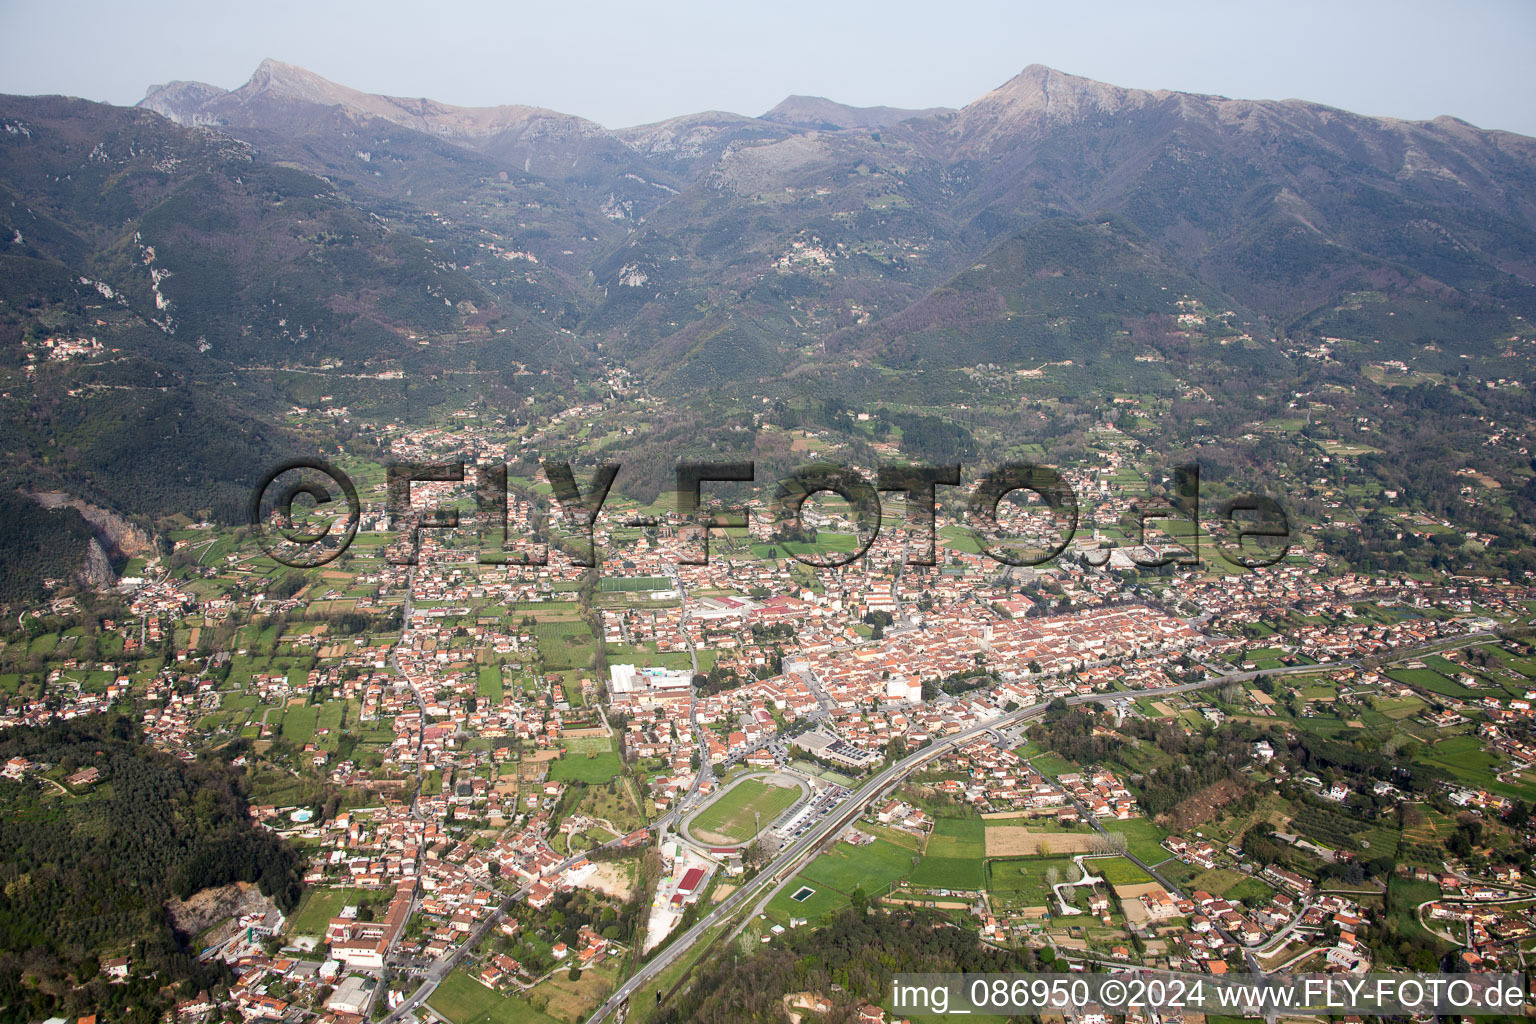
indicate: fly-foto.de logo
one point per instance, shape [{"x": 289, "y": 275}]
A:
[{"x": 1017, "y": 514}]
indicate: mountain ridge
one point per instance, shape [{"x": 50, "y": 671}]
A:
[
  {"x": 529, "y": 228},
  {"x": 1054, "y": 94},
  {"x": 274, "y": 78},
  {"x": 1261, "y": 198},
  {"x": 830, "y": 115}
]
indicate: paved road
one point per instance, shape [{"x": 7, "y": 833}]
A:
[
  {"x": 792, "y": 857},
  {"x": 1283, "y": 936},
  {"x": 445, "y": 964},
  {"x": 797, "y": 853},
  {"x": 706, "y": 772},
  {"x": 1173, "y": 890}
]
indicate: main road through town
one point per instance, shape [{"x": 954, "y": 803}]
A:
[{"x": 795, "y": 855}]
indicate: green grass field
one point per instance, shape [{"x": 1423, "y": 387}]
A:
[
  {"x": 959, "y": 538},
  {"x": 464, "y": 1000},
  {"x": 1429, "y": 679},
  {"x": 1250, "y": 889},
  {"x": 1216, "y": 881},
  {"x": 954, "y": 857},
  {"x": 565, "y": 644},
  {"x": 825, "y": 900},
  {"x": 1524, "y": 666},
  {"x": 1024, "y": 879},
  {"x": 299, "y": 724},
  {"x": 589, "y": 766},
  {"x": 488, "y": 683},
  {"x": 874, "y": 867},
  {"x": 319, "y": 906},
  {"x": 1142, "y": 838},
  {"x": 1049, "y": 765},
  {"x": 636, "y": 584},
  {"x": 1117, "y": 871},
  {"x": 331, "y": 716},
  {"x": 1465, "y": 758},
  {"x": 826, "y": 545},
  {"x": 731, "y": 815}
]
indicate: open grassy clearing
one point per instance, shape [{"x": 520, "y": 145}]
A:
[
  {"x": 463, "y": 1000},
  {"x": 320, "y": 905},
  {"x": 874, "y": 867},
  {"x": 954, "y": 857},
  {"x": 587, "y": 762},
  {"x": 1026, "y": 881}
]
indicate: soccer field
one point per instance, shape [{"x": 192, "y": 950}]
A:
[{"x": 731, "y": 816}]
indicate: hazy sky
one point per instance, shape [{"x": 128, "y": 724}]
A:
[{"x": 634, "y": 62}]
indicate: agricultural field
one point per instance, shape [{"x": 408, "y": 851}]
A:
[
  {"x": 565, "y": 643},
  {"x": 299, "y": 723},
  {"x": 1219, "y": 881},
  {"x": 1117, "y": 871},
  {"x": 1025, "y": 881},
  {"x": 1019, "y": 841},
  {"x": 874, "y": 867},
  {"x": 954, "y": 857},
  {"x": 1432, "y": 681},
  {"x": 329, "y": 723}
]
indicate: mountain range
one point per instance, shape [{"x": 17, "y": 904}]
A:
[
  {"x": 297, "y": 224},
  {"x": 832, "y": 217}
]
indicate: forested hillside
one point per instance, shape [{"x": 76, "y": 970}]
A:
[
  {"x": 176, "y": 278},
  {"x": 38, "y": 544},
  {"x": 86, "y": 875},
  {"x": 850, "y": 960}
]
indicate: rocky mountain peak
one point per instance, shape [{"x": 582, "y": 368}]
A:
[
  {"x": 1046, "y": 95},
  {"x": 818, "y": 112},
  {"x": 300, "y": 83},
  {"x": 180, "y": 101}
]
